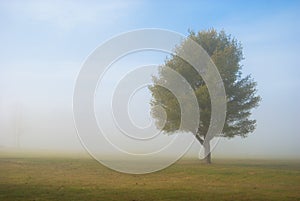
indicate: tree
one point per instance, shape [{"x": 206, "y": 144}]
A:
[{"x": 226, "y": 53}]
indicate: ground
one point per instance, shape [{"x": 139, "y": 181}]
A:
[{"x": 71, "y": 178}]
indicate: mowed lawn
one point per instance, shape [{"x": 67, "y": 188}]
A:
[{"x": 49, "y": 178}]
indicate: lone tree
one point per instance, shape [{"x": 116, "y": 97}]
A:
[{"x": 226, "y": 53}]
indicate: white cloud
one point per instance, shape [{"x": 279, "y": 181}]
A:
[{"x": 68, "y": 14}]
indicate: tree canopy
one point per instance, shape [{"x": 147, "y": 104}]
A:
[{"x": 226, "y": 53}]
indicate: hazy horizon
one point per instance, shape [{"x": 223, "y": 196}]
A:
[{"x": 44, "y": 46}]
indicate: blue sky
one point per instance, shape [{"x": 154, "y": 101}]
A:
[{"x": 44, "y": 43}]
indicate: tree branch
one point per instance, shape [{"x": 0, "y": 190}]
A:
[{"x": 199, "y": 138}]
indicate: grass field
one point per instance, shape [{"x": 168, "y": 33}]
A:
[{"x": 50, "y": 178}]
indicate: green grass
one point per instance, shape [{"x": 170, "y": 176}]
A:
[{"x": 49, "y": 178}]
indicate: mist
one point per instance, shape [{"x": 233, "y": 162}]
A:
[{"x": 42, "y": 55}]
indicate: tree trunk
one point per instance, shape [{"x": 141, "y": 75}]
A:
[{"x": 207, "y": 153}]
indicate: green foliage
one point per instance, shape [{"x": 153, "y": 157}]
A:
[{"x": 226, "y": 53}]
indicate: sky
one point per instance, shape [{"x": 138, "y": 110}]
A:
[{"x": 44, "y": 44}]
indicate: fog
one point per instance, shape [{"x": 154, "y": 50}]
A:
[{"x": 41, "y": 57}]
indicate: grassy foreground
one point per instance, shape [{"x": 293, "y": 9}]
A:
[{"x": 49, "y": 178}]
